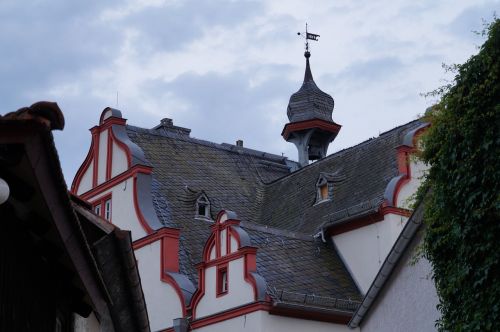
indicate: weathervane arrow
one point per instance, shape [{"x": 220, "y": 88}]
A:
[{"x": 308, "y": 36}]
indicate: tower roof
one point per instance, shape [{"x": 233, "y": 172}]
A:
[{"x": 310, "y": 102}]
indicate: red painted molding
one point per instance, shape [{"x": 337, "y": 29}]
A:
[
  {"x": 131, "y": 172},
  {"x": 96, "y": 137},
  {"x": 138, "y": 211},
  {"x": 366, "y": 220},
  {"x": 123, "y": 146},
  {"x": 228, "y": 314},
  {"x": 83, "y": 168},
  {"x": 289, "y": 128},
  {"x": 227, "y": 258},
  {"x": 247, "y": 253},
  {"x": 155, "y": 236}
]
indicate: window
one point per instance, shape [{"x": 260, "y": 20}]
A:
[
  {"x": 102, "y": 207},
  {"x": 324, "y": 186},
  {"x": 323, "y": 192},
  {"x": 107, "y": 209},
  {"x": 202, "y": 207},
  {"x": 222, "y": 280},
  {"x": 97, "y": 209}
]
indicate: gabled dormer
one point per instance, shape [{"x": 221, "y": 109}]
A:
[
  {"x": 325, "y": 186},
  {"x": 202, "y": 207}
]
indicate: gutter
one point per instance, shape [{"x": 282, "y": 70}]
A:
[{"x": 385, "y": 272}]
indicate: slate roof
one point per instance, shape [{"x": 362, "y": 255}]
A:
[
  {"x": 261, "y": 188},
  {"x": 362, "y": 171}
]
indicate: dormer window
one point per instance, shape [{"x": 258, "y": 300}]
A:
[
  {"x": 324, "y": 188},
  {"x": 203, "y": 207},
  {"x": 323, "y": 192}
]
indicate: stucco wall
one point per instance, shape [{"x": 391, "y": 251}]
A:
[
  {"x": 417, "y": 171},
  {"x": 162, "y": 301},
  {"x": 262, "y": 321},
  {"x": 86, "y": 181},
  {"x": 123, "y": 213},
  {"x": 364, "y": 249},
  {"x": 408, "y": 300},
  {"x": 239, "y": 290},
  {"x": 119, "y": 163},
  {"x": 103, "y": 153}
]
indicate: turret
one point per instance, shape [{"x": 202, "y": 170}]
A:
[{"x": 311, "y": 127}]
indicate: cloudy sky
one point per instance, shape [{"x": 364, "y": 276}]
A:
[{"x": 226, "y": 68}]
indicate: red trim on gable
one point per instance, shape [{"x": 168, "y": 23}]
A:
[
  {"x": 84, "y": 167},
  {"x": 231, "y": 313},
  {"x": 123, "y": 146},
  {"x": 247, "y": 253},
  {"x": 96, "y": 136},
  {"x": 137, "y": 209},
  {"x": 366, "y": 220},
  {"x": 131, "y": 172},
  {"x": 169, "y": 257},
  {"x": 155, "y": 236},
  {"x": 289, "y": 128}
]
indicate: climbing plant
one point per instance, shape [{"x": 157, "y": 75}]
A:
[{"x": 461, "y": 192}]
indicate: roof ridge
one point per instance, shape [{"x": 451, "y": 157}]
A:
[
  {"x": 221, "y": 146},
  {"x": 335, "y": 154},
  {"x": 276, "y": 231}
]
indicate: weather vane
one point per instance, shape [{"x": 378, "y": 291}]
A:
[{"x": 308, "y": 36}]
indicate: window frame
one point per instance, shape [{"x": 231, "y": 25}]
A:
[
  {"x": 222, "y": 283},
  {"x": 100, "y": 204}
]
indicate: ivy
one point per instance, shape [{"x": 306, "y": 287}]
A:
[{"x": 462, "y": 200}]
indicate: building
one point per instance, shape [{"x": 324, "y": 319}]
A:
[
  {"x": 62, "y": 268},
  {"x": 230, "y": 238}
]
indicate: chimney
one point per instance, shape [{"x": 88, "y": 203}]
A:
[{"x": 239, "y": 143}]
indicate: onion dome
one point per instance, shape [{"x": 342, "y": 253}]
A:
[{"x": 310, "y": 102}]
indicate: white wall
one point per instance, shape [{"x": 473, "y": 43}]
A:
[
  {"x": 123, "y": 212},
  {"x": 103, "y": 151},
  {"x": 364, "y": 249},
  {"x": 86, "y": 180},
  {"x": 239, "y": 290},
  {"x": 262, "y": 321},
  {"x": 119, "y": 161},
  {"x": 162, "y": 301},
  {"x": 408, "y": 300},
  {"x": 417, "y": 171}
]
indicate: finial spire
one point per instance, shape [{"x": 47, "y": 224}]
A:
[{"x": 308, "y": 36}]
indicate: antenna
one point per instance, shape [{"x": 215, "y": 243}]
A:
[
  {"x": 116, "y": 99},
  {"x": 308, "y": 36}
]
